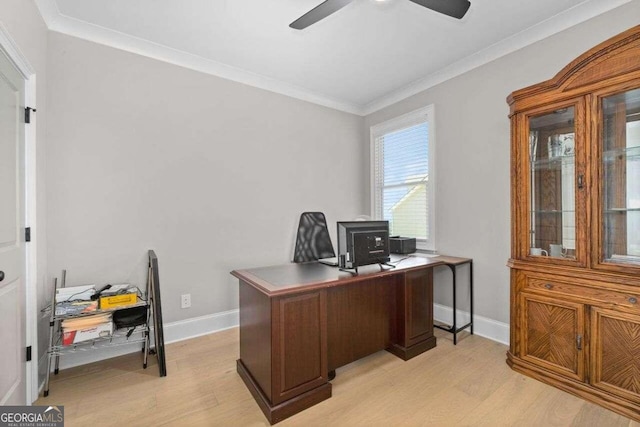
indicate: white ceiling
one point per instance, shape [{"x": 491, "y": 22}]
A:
[{"x": 360, "y": 59}]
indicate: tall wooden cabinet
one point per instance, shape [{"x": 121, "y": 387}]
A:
[{"x": 575, "y": 209}]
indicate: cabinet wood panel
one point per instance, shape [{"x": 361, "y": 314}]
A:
[
  {"x": 413, "y": 332},
  {"x": 616, "y": 352},
  {"x": 588, "y": 294},
  {"x": 299, "y": 340},
  {"x": 553, "y": 335},
  {"x": 419, "y": 294},
  {"x": 365, "y": 310}
]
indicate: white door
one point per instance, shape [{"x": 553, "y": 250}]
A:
[{"x": 12, "y": 248}]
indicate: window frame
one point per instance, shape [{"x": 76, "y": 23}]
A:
[{"x": 413, "y": 118}]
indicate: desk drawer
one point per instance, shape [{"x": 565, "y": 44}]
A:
[{"x": 592, "y": 295}]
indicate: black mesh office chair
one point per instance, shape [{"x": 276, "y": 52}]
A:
[{"x": 313, "y": 241}]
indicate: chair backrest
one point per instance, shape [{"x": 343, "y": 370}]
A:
[{"x": 313, "y": 241}]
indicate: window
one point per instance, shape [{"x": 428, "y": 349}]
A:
[{"x": 403, "y": 179}]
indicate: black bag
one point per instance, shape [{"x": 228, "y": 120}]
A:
[{"x": 130, "y": 317}]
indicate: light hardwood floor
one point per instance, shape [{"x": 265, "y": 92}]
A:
[{"x": 463, "y": 385}]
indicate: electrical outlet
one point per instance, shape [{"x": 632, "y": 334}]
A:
[{"x": 185, "y": 301}]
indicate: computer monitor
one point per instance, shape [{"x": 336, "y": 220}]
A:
[{"x": 362, "y": 243}]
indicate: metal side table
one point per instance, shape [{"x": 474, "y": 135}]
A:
[{"x": 453, "y": 263}]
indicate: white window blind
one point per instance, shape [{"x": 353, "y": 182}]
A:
[{"x": 403, "y": 177}]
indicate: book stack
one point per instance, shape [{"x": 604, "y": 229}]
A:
[{"x": 86, "y": 328}]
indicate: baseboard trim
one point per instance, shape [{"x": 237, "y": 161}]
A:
[
  {"x": 198, "y": 326},
  {"x": 483, "y": 326},
  {"x": 173, "y": 332},
  {"x": 204, "y": 325}
]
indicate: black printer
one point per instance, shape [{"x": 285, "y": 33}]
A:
[{"x": 402, "y": 245}]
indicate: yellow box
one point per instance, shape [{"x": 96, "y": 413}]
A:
[{"x": 111, "y": 301}]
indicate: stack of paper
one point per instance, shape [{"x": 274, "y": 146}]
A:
[
  {"x": 84, "y": 322},
  {"x": 67, "y": 308},
  {"x": 86, "y": 328},
  {"x": 119, "y": 288},
  {"x": 74, "y": 293}
]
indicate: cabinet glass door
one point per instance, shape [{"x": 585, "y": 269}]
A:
[
  {"x": 553, "y": 176},
  {"x": 621, "y": 178}
]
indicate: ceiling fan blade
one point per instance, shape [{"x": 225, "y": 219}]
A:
[
  {"x": 453, "y": 8},
  {"x": 321, "y": 11}
]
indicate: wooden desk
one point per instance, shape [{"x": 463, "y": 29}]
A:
[{"x": 299, "y": 322}]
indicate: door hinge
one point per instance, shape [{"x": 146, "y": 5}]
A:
[
  {"x": 27, "y": 234},
  {"x": 29, "y": 354},
  {"x": 27, "y": 114}
]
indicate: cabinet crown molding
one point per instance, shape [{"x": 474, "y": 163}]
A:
[{"x": 615, "y": 57}]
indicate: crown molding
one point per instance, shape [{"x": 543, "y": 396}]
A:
[
  {"x": 557, "y": 23},
  {"x": 58, "y": 22},
  {"x": 10, "y": 48}
]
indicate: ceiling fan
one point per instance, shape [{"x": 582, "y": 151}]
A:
[{"x": 453, "y": 8}]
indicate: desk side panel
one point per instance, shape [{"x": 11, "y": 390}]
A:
[{"x": 255, "y": 335}]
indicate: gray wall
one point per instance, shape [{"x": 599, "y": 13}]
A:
[
  {"x": 210, "y": 173},
  {"x": 472, "y": 127},
  {"x": 23, "y": 22}
]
